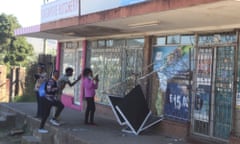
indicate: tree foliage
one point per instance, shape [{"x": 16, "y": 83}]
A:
[{"x": 14, "y": 51}]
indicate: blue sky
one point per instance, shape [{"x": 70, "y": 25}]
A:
[{"x": 27, "y": 11}]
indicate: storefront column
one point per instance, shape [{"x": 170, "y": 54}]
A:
[
  {"x": 147, "y": 54},
  {"x": 58, "y": 56},
  {"x": 83, "y": 64}
]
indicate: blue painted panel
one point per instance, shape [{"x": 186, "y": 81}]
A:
[{"x": 177, "y": 101}]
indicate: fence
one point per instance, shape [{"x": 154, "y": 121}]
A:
[{"x": 20, "y": 80}]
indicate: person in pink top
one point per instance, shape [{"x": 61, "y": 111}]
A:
[{"x": 90, "y": 85}]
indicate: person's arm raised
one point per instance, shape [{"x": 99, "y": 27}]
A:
[{"x": 73, "y": 83}]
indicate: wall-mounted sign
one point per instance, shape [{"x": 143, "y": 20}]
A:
[
  {"x": 71, "y": 45},
  {"x": 92, "y": 6},
  {"x": 177, "y": 101},
  {"x": 59, "y": 9}
]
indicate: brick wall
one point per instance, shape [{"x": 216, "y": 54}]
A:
[
  {"x": 234, "y": 139},
  {"x": 173, "y": 129}
]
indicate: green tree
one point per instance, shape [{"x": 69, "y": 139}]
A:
[{"x": 14, "y": 51}]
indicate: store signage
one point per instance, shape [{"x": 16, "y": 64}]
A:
[
  {"x": 71, "y": 45},
  {"x": 59, "y": 9},
  {"x": 177, "y": 101},
  {"x": 171, "y": 63},
  {"x": 92, "y": 6}
]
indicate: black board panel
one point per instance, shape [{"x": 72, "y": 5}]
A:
[{"x": 134, "y": 107}]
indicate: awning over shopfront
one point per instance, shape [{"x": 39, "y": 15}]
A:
[
  {"x": 154, "y": 17},
  {"x": 35, "y": 31}
]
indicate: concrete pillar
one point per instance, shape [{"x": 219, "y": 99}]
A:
[
  {"x": 44, "y": 46},
  {"x": 147, "y": 54}
]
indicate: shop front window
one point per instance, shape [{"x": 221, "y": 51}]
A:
[
  {"x": 115, "y": 61},
  {"x": 175, "y": 39}
]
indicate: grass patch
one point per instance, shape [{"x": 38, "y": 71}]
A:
[{"x": 25, "y": 98}]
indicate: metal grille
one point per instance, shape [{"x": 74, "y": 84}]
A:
[
  {"x": 223, "y": 92},
  {"x": 106, "y": 62},
  {"x": 133, "y": 70},
  {"x": 213, "y": 99},
  {"x": 202, "y": 97},
  {"x": 117, "y": 67}
]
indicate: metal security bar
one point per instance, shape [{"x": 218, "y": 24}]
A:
[
  {"x": 116, "y": 62},
  {"x": 223, "y": 91},
  {"x": 202, "y": 99},
  {"x": 213, "y": 93}
]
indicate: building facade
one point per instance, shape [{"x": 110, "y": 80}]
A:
[{"x": 184, "y": 54}]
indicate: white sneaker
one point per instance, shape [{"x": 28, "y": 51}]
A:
[
  {"x": 42, "y": 130},
  {"x": 54, "y": 122}
]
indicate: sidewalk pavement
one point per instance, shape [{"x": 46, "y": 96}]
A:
[{"x": 107, "y": 131}]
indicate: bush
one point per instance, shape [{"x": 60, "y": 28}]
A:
[{"x": 25, "y": 98}]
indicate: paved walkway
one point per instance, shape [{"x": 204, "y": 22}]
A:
[{"x": 107, "y": 131}]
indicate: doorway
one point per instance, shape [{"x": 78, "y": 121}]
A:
[{"x": 214, "y": 91}]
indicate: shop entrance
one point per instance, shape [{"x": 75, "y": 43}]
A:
[
  {"x": 72, "y": 57},
  {"x": 214, "y": 91}
]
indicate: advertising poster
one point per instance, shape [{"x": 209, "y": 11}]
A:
[
  {"x": 177, "y": 101},
  {"x": 238, "y": 100},
  {"x": 238, "y": 94},
  {"x": 170, "y": 62},
  {"x": 201, "y": 103},
  {"x": 204, "y": 68}
]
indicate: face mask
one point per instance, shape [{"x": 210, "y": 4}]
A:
[{"x": 90, "y": 77}]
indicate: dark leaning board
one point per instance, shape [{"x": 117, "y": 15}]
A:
[
  {"x": 134, "y": 108},
  {"x": 114, "y": 101}
]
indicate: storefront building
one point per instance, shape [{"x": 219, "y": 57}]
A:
[{"x": 184, "y": 54}]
